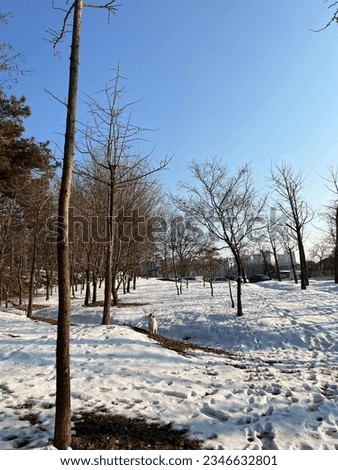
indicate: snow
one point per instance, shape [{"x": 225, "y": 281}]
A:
[{"x": 278, "y": 390}]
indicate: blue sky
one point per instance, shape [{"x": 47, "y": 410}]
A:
[{"x": 243, "y": 80}]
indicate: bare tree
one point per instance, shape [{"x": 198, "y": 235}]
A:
[
  {"x": 110, "y": 142},
  {"x": 226, "y": 205},
  {"x": 334, "y": 16},
  {"x": 9, "y": 60},
  {"x": 62, "y": 433},
  {"x": 271, "y": 230},
  {"x": 320, "y": 254},
  {"x": 37, "y": 198},
  {"x": 210, "y": 262},
  {"x": 289, "y": 243},
  {"x": 138, "y": 204},
  {"x": 333, "y": 179},
  {"x": 332, "y": 215},
  {"x": 184, "y": 241},
  {"x": 12, "y": 249},
  {"x": 268, "y": 242},
  {"x": 288, "y": 186}
]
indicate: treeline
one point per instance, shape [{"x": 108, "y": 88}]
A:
[
  {"x": 114, "y": 196},
  {"x": 121, "y": 223}
]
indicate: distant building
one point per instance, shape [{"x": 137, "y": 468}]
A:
[
  {"x": 284, "y": 260},
  {"x": 257, "y": 258}
]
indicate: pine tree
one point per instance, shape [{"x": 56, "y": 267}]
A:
[{"x": 21, "y": 158}]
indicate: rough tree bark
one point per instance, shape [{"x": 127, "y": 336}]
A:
[
  {"x": 62, "y": 432},
  {"x": 109, "y": 280},
  {"x": 336, "y": 249}
]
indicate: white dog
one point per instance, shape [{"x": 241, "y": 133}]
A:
[{"x": 152, "y": 324}]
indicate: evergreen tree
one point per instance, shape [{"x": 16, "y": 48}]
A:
[{"x": 21, "y": 158}]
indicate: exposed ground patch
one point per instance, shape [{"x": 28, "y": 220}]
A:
[{"x": 103, "y": 431}]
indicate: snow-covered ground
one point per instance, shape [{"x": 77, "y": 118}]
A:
[{"x": 278, "y": 391}]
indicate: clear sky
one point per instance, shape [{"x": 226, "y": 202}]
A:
[{"x": 244, "y": 80}]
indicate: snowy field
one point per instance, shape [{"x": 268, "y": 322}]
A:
[{"x": 278, "y": 391}]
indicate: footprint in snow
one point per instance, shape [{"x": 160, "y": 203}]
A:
[
  {"x": 5, "y": 389},
  {"x": 217, "y": 413},
  {"x": 176, "y": 394},
  {"x": 331, "y": 431},
  {"x": 266, "y": 435},
  {"x": 243, "y": 420},
  {"x": 248, "y": 409},
  {"x": 250, "y": 435},
  {"x": 268, "y": 411},
  {"x": 250, "y": 390}
]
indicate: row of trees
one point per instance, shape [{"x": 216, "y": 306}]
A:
[
  {"x": 114, "y": 191},
  {"x": 25, "y": 172},
  {"x": 119, "y": 222}
]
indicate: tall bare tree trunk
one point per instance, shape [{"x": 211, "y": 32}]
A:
[
  {"x": 303, "y": 277},
  {"x": 94, "y": 298},
  {"x": 336, "y": 249},
  {"x": 239, "y": 284},
  {"x": 87, "y": 294},
  {"x": 31, "y": 279},
  {"x": 293, "y": 267},
  {"x": 108, "y": 287},
  {"x": 230, "y": 293},
  {"x": 279, "y": 277},
  {"x": 19, "y": 284},
  {"x": 62, "y": 432}
]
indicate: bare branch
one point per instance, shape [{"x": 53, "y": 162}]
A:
[
  {"x": 288, "y": 186},
  {"x": 332, "y": 20},
  {"x": 332, "y": 181},
  {"x": 108, "y": 6},
  {"x": 59, "y": 36},
  {"x": 55, "y": 97}
]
